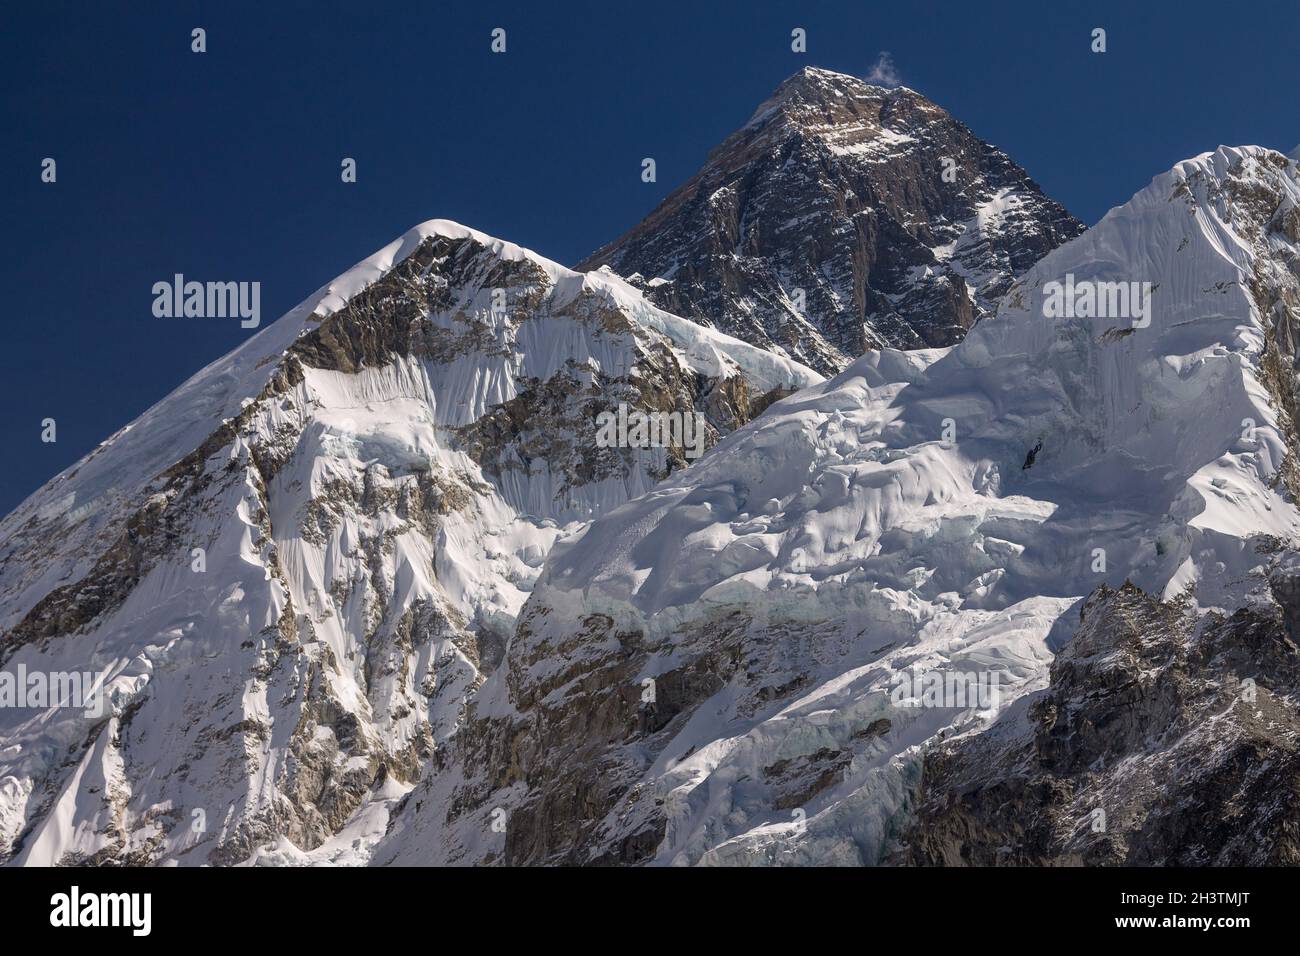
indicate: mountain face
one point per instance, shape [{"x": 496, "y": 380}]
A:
[
  {"x": 838, "y": 637},
  {"x": 291, "y": 574},
  {"x": 1181, "y": 731},
  {"x": 842, "y": 217}
]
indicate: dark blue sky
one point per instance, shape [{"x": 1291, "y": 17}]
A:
[{"x": 225, "y": 165}]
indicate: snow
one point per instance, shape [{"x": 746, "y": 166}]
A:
[
  {"x": 221, "y": 695},
  {"x": 883, "y": 144},
  {"x": 843, "y": 509},
  {"x": 842, "y": 518}
]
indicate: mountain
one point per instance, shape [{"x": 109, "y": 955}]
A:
[
  {"x": 837, "y": 638},
  {"x": 290, "y": 574},
  {"x": 371, "y": 588},
  {"x": 898, "y": 224}
]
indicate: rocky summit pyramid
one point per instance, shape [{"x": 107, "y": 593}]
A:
[{"x": 843, "y": 216}]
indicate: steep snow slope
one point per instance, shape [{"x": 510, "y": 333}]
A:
[
  {"x": 898, "y": 224},
  {"x": 713, "y": 672},
  {"x": 291, "y": 572}
]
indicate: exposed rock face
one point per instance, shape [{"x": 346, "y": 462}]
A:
[
  {"x": 292, "y": 574},
  {"x": 1162, "y": 740},
  {"x": 585, "y": 761},
  {"x": 899, "y": 225}
]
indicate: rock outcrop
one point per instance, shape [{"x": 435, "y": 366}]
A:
[{"x": 1162, "y": 740}]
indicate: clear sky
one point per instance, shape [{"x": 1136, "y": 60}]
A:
[{"x": 226, "y": 165}]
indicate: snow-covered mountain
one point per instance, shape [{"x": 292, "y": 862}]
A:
[
  {"x": 842, "y": 217},
  {"x": 290, "y": 574},
  {"x": 755, "y": 662},
  {"x": 369, "y": 589}
]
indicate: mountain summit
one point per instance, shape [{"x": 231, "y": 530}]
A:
[
  {"x": 290, "y": 574},
  {"x": 842, "y": 217}
]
